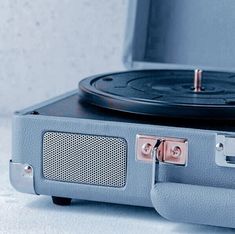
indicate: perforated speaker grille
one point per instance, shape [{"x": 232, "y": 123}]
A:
[{"x": 85, "y": 159}]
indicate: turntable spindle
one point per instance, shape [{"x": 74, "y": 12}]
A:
[{"x": 197, "y": 80}]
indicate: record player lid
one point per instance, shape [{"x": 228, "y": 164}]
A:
[{"x": 181, "y": 34}]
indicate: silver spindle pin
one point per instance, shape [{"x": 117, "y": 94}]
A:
[{"x": 197, "y": 80}]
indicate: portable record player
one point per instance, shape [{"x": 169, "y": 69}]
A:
[{"x": 162, "y": 137}]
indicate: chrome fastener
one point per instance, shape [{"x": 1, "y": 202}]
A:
[
  {"x": 219, "y": 146},
  {"x": 28, "y": 169}
]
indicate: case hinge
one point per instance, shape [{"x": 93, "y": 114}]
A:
[{"x": 225, "y": 150}]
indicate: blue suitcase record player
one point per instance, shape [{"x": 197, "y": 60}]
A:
[{"x": 161, "y": 134}]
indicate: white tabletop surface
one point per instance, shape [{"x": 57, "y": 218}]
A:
[{"x": 23, "y": 213}]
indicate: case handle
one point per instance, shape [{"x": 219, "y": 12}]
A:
[{"x": 194, "y": 204}]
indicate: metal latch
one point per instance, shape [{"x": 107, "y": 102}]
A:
[
  {"x": 164, "y": 149},
  {"x": 225, "y": 151}
]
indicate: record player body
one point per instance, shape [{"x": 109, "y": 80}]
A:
[
  {"x": 67, "y": 148},
  {"x": 156, "y": 138}
]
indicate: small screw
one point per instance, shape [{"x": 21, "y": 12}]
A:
[
  {"x": 146, "y": 148},
  {"x": 28, "y": 169},
  {"x": 176, "y": 152},
  {"x": 219, "y": 147}
]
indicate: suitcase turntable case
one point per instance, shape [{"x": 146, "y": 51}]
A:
[{"x": 184, "y": 167}]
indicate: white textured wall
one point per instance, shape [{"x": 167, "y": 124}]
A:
[{"x": 47, "y": 46}]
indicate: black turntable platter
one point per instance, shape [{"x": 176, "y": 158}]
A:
[{"x": 165, "y": 93}]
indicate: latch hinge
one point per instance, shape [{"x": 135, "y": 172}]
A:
[{"x": 164, "y": 149}]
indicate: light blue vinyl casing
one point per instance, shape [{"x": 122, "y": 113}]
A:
[{"x": 201, "y": 192}]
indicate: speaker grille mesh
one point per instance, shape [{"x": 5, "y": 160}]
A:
[{"x": 84, "y": 159}]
